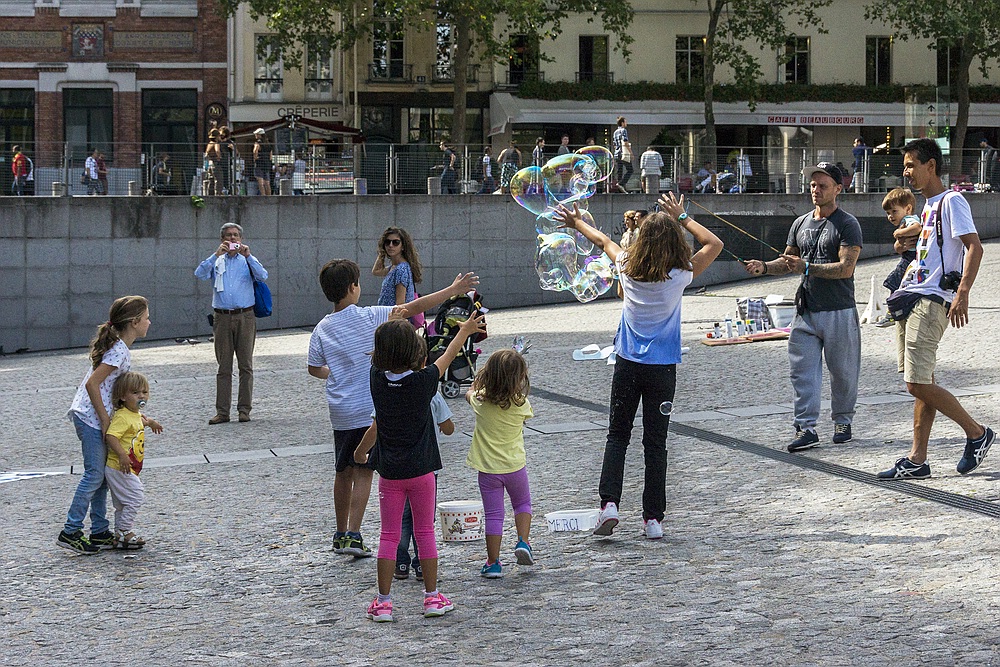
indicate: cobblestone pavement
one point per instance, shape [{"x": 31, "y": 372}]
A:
[{"x": 765, "y": 561}]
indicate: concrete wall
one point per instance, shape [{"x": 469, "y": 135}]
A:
[{"x": 64, "y": 260}]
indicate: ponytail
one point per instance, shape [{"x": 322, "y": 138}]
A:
[{"x": 123, "y": 311}]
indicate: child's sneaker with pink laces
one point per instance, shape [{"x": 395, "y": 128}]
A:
[
  {"x": 437, "y": 605},
  {"x": 380, "y": 612}
]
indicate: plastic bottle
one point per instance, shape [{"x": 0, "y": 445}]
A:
[
  {"x": 741, "y": 328},
  {"x": 717, "y": 331},
  {"x": 729, "y": 326}
]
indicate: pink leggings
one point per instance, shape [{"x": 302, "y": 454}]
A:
[
  {"x": 491, "y": 488},
  {"x": 392, "y": 496}
]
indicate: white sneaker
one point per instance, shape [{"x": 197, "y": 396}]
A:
[
  {"x": 652, "y": 529},
  {"x": 607, "y": 520}
]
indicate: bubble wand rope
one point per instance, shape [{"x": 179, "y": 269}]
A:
[{"x": 739, "y": 229}]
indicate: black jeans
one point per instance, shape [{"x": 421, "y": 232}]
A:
[
  {"x": 405, "y": 537},
  {"x": 654, "y": 384},
  {"x": 623, "y": 171}
]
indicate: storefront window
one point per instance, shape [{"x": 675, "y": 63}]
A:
[
  {"x": 432, "y": 125},
  {"x": 88, "y": 116}
]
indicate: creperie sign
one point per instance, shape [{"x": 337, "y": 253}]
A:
[
  {"x": 310, "y": 112},
  {"x": 815, "y": 120}
]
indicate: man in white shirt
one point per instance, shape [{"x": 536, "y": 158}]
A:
[{"x": 948, "y": 256}]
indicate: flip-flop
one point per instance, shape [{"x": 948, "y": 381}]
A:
[{"x": 588, "y": 352}]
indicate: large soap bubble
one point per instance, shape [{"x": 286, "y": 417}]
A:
[
  {"x": 527, "y": 187},
  {"x": 565, "y": 259},
  {"x": 602, "y": 157}
]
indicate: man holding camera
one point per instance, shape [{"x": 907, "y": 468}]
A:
[
  {"x": 234, "y": 323},
  {"x": 948, "y": 257}
]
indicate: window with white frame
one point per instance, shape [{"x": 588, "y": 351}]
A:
[
  {"x": 445, "y": 44},
  {"x": 268, "y": 79},
  {"x": 797, "y": 60},
  {"x": 319, "y": 72}
]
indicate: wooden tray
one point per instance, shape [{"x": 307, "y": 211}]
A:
[{"x": 774, "y": 334}]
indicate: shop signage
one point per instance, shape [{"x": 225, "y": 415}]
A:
[
  {"x": 31, "y": 39},
  {"x": 803, "y": 119},
  {"x": 154, "y": 41},
  {"x": 324, "y": 112}
]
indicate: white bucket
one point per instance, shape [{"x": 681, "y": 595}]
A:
[
  {"x": 572, "y": 520},
  {"x": 462, "y": 520},
  {"x": 782, "y": 314}
]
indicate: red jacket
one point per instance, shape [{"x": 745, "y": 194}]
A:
[{"x": 20, "y": 165}]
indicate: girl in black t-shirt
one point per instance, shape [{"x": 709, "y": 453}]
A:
[{"x": 406, "y": 451}]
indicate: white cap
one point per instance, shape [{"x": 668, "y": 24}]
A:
[{"x": 259, "y": 130}]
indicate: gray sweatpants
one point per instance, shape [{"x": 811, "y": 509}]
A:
[
  {"x": 836, "y": 335},
  {"x": 127, "y": 494}
]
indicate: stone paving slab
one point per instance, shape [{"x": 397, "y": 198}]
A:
[{"x": 762, "y": 563}]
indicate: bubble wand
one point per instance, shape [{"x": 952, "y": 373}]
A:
[{"x": 740, "y": 230}]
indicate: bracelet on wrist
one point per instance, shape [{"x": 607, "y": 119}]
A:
[
  {"x": 764, "y": 270},
  {"x": 807, "y": 269},
  {"x": 682, "y": 217}
]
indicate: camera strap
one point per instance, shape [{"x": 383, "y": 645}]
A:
[{"x": 940, "y": 233}]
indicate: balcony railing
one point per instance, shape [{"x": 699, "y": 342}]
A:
[
  {"x": 517, "y": 77},
  {"x": 595, "y": 77},
  {"x": 446, "y": 74},
  {"x": 395, "y": 72},
  {"x": 319, "y": 89},
  {"x": 269, "y": 89}
]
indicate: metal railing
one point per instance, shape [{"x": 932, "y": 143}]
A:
[
  {"x": 514, "y": 78},
  {"x": 446, "y": 73},
  {"x": 393, "y": 72},
  {"x": 57, "y": 167}
]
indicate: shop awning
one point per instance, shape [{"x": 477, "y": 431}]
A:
[
  {"x": 506, "y": 108},
  {"x": 332, "y": 128}
]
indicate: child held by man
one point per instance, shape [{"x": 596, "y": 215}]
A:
[{"x": 898, "y": 205}]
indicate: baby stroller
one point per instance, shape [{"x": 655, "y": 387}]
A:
[{"x": 442, "y": 331}]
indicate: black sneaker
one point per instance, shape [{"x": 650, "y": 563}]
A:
[
  {"x": 806, "y": 440},
  {"x": 105, "y": 540},
  {"x": 76, "y": 542},
  {"x": 906, "y": 469},
  {"x": 354, "y": 545},
  {"x": 841, "y": 433},
  {"x": 975, "y": 451},
  {"x": 402, "y": 570}
]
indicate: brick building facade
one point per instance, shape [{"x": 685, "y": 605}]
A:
[{"x": 129, "y": 77}]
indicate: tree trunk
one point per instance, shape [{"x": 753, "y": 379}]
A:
[
  {"x": 957, "y": 141},
  {"x": 460, "y": 64},
  {"x": 709, "y": 144}
]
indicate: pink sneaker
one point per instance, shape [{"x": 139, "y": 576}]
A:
[
  {"x": 380, "y": 612},
  {"x": 437, "y": 605}
]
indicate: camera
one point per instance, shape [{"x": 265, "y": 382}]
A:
[
  {"x": 234, "y": 246},
  {"x": 950, "y": 281}
]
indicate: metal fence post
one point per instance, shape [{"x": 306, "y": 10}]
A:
[{"x": 393, "y": 169}]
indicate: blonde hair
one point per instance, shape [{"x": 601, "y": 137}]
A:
[
  {"x": 127, "y": 382},
  {"x": 504, "y": 380},
  {"x": 899, "y": 197},
  {"x": 657, "y": 249},
  {"x": 123, "y": 311}
]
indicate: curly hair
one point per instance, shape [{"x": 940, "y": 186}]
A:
[
  {"x": 659, "y": 248},
  {"x": 123, "y": 312},
  {"x": 410, "y": 254},
  {"x": 504, "y": 380}
]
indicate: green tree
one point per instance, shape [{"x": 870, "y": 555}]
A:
[
  {"x": 481, "y": 27},
  {"x": 972, "y": 28},
  {"x": 732, "y": 26}
]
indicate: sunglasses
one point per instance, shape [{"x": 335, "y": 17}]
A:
[{"x": 393, "y": 242}]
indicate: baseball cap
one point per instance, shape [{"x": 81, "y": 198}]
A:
[
  {"x": 828, "y": 168},
  {"x": 259, "y": 130}
]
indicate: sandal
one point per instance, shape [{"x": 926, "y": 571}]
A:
[{"x": 128, "y": 541}]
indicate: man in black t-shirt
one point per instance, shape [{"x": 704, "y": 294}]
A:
[{"x": 823, "y": 246}]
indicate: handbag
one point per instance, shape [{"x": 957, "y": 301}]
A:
[
  {"x": 261, "y": 295},
  {"x": 417, "y": 320},
  {"x": 626, "y": 151},
  {"x": 85, "y": 178},
  {"x": 901, "y": 303}
]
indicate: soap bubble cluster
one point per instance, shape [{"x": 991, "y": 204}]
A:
[{"x": 565, "y": 259}]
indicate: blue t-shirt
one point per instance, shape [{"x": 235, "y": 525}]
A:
[
  {"x": 650, "y": 328},
  {"x": 400, "y": 274}
]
